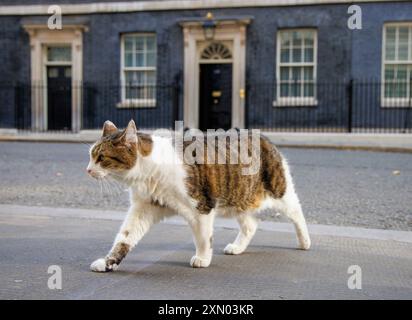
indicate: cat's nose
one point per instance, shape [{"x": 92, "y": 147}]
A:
[{"x": 89, "y": 171}]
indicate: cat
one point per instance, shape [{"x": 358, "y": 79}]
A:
[{"x": 160, "y": 186}]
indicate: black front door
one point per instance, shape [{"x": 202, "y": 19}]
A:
[
  {"x": 59, "y": 98},
  {"x": 215, "y": 96}
]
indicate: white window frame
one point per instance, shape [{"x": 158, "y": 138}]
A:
[
  {"x": 296, "y": 101},
  {"x": 133, "y": 103},
  {"x": 396, "y": 102}
]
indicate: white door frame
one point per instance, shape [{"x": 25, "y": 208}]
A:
[
  {"x": 40, "y": 38},
  {"x": 233, "y": 31}
]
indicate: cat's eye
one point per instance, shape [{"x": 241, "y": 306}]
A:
[{"x": 100, "y": 158}]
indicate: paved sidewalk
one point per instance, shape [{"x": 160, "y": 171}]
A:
[
  {"x": 361, "y": 141},
  {"x": 31, "y": 239}
]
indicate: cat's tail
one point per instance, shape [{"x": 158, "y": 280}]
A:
[{"x": 272, "y": 169}]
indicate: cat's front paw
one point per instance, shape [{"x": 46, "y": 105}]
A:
[
  {"x": 101, "y": 265},
  {"x": 304, "y": 243},
  {"x": 198, "y": 262},
  {"x": 232, "y": 249}
]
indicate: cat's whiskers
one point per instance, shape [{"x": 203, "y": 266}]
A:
[
  {"x": 87, "y": 145},
  {"x": 110, "y": 188},
  {"x": 101, "y": 187},
  {"x": 106, "y": 187},
  {"x": 116, "y": 187}
]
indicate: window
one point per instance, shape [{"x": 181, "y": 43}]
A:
[
  {"x": 296, "y": 68},
  {"x": 138, "y": 72},
  {"x": 59, "y": 54},
  {"x": 397, "y": 65}
]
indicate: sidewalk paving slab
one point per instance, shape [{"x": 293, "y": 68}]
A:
[
  {"x": 158, "y": 268},
  {"x": 392, "y": 142}
]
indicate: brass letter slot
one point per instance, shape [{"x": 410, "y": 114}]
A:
[
  {"x": 216, "y": 94},
  {"x": 242, "y": 93}
]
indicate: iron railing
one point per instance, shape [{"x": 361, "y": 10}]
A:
[
  {"x": 151, "y": 106},
  {"x": 351, "y": 106}
]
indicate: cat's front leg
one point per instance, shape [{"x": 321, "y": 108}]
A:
[
  {"x": 202, "y": 228},
  {"x": 138, "y": 221}
]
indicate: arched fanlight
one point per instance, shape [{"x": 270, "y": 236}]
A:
[{"x": 216, "y": 51}]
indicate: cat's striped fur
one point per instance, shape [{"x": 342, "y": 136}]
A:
[{"x": 162, "y": 184}]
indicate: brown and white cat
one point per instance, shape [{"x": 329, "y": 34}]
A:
[{"x": 160, "y": 186}]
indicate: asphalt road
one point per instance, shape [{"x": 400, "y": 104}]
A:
[
  {"x": 352, "y": 188},
  {"x": 158, "y": 268}
]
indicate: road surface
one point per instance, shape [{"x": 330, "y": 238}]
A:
[
  {"x": 350, "y": 188},
  {"x": 158, "y": 268}
]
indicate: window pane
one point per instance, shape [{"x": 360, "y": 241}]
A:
[
  {"x": 390, "y": 43},
  {"x": 400, "y": 90},
  {"x": 134, "y": 84},
  {"x": 128, "y": 60},
  {"x": 308, "y": 54},
  {"x": 284, "y": 55},
  {"x": 151, "y": 59},
  {"x": 308, "y": 73},
  {"x": 308, "y": 90},
  {"x": 151, "y": 77},
  {"x": 302, "y": 43},
  {"x": 402, "y": 73},
  {"x": 296, "y": 74},
  {"x": 140, "y": 84},
  {"x": 295, "y": 89},
  {"x": 140, "y": 50},
  {"x": 139, "y": 42},
  {"x": 139, "y": 59},
  {"x": 297, "y": 55},
  {"x": 151, "y": 43},
  {"x": 128, "y": 43},
  {"x": 151, "y": 84},
  {"x": 388, "y": 90},
  {"x": 59, "y": 54},
  {"x": 284, "y": 90},
  {"x": 134, "y": 78},
  {"x": 308, "y": 37},
  {"x": 297, "y": 39},
  {"x": 389, "y": 72},
  {"x": 285, "y": 39},
  {"x": 403, "y": 43},
  {"x": 397, "y": 81},
  {"x": 284, "y": 73},
  {"x": 297, "y": 80}
]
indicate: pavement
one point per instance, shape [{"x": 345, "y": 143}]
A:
[
  {"x": 357, "y": 202},
  {"x": 336, "y": 187},
  {"x": 34, "y": 238},
  {"x": 388, "y": 142}
]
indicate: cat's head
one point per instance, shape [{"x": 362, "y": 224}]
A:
[{"x": 116, "y": 152}]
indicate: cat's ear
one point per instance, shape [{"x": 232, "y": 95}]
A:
[
  {"x": 109, "y": 128},
  {"x": 130, "y": 133}
]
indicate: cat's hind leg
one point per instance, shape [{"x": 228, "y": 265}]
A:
[
  {"x": 247, "y": 228},
  {"x": 202, "y": 229},
  {"x": 290, "y": 207}
]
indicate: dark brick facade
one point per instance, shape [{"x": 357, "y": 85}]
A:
[{"x": 342, "y": 54}]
